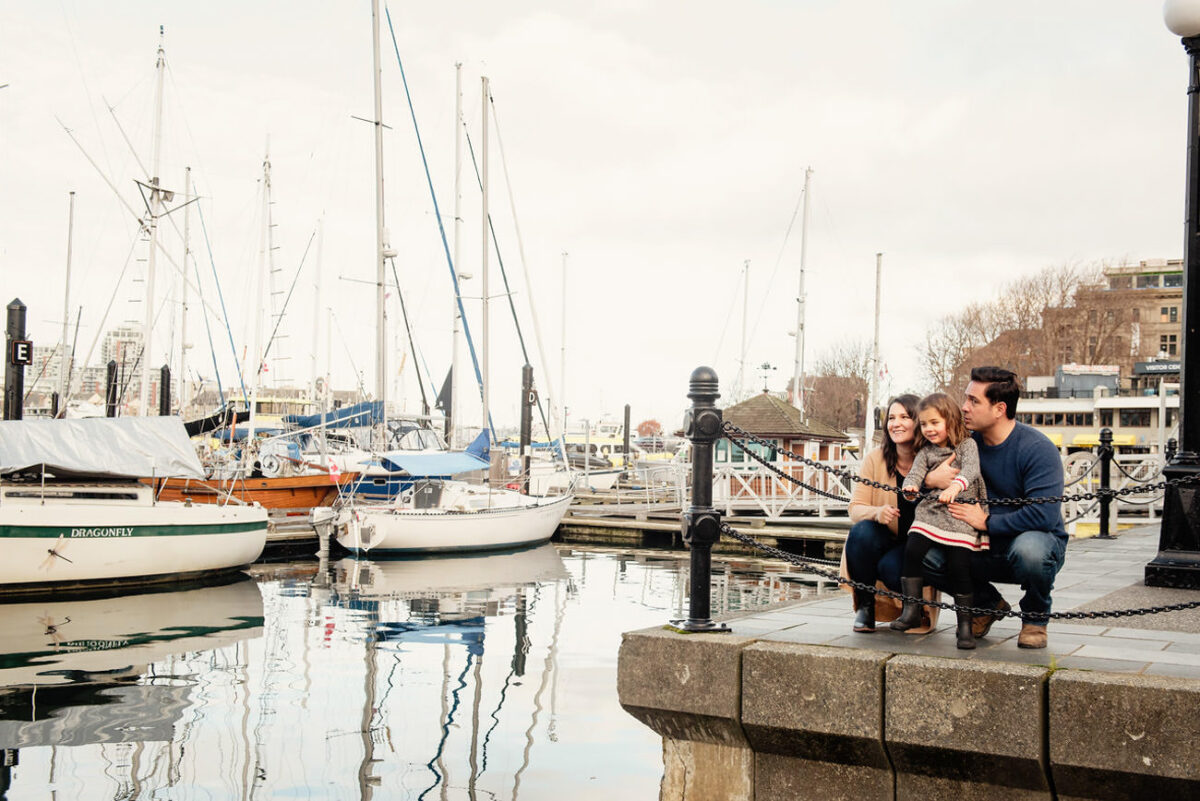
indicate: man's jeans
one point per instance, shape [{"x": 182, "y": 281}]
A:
[
  {"x": 1031, "y": 559},
  {"x": 874, "y": 553}
]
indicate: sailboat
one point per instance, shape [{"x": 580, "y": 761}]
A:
[
  {"x": 74, "y": 515},
  {"x": 442, "y": 514}
]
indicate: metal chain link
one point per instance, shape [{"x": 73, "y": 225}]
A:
[
  {"x": 1098, "y": 494},
  {"x": 976, "y": 611}
]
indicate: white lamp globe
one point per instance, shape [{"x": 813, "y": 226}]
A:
[{"x": 1182, "y": 17}]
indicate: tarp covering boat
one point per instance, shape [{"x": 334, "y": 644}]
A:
[
  {"x": 368, "y": 413},
  {"x": 431, "y": 465},
  {"x": 100, "y": 446},
  {"x": 221, "y": 419}
]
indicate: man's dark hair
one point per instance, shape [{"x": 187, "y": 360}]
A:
[{"x": 1002, "y": 385}]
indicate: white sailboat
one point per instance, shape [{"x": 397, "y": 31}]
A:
[
  {"x": 73, "y": 513},
  {"x": 443, "y": 514}
]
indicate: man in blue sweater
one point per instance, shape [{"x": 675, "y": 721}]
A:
[{"x": 1028, "y": 543}]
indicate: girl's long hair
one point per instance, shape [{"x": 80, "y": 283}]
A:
[
  {"x": 891, "y": 453},
  {"x": 943, "y": 404}
]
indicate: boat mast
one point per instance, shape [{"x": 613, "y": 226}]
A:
[
  {"x": 316, "y": 312},
  {"x": 740, "y": 385},
  {"x": 155, "y": 203},
  {"x": 483, "y": 267},
  {"x": 562, "y": 361},
  {"x": 798, "y": 374},
  {"x": 183, "y": 306},
  {"x": 263, "y": 247},
  {"x": 452, "y": 425},
  {"x": 873, "y": 396},
  {"x": 64, "y": 362},
  {"x": 380, "y": 280}
]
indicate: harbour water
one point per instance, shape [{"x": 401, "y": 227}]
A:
[{"x": 443, "y": 677}]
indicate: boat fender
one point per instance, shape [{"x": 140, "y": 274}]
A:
[{"x": 270, "y": 466}]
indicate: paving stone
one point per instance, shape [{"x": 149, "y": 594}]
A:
[
  {"x": 1108, "y": 665},
  {"x": 1135, "y": 655}
]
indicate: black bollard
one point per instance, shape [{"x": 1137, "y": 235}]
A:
[
  {"x": 110, "y": 389},
  {"x": 528, "y": 401},
  {"x": 54, "y": 402},
  {"x": 18, "y": 353},
  {"x": 701, "y": 523},
  {"x": 1169, "y": 453},
  {"x": 164, "y": 392},
  {"x": 1106, "y": 456}
]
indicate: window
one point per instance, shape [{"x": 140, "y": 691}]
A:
[
  {"x": 1174, "y": 314},
  {"x": 1147, "y": 281},
  {"x": 1169, "y": 344},
  {"x": 1173, "y": 279},
  {"x": 1119, "y": 282},
  {"x": 1135, "y": 418},
  {"x": 1137, "y": 315},
  {"x": 1106, "y": 417}
]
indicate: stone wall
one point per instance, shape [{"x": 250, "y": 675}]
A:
[{"x": 757, "y": 720}]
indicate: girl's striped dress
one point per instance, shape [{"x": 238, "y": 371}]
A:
[{"x": 933, "y": 518}]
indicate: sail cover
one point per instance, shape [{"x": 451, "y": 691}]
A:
[{"x": 100, "y": 446}]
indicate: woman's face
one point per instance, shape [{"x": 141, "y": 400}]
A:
[{"x": 900, "y": 424}]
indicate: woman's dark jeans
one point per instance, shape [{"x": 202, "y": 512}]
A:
[{"x": 874, "y": 553}]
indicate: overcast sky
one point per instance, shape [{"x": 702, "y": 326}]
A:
[{"x": 660, "y": 144}]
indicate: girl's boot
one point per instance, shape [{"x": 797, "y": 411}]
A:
[
  {"x": 910, "y": 615},
  {"x": 865, "y": 619},
  {"x": 966, "y": 638}
]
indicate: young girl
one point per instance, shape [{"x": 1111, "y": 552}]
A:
[{"x": 945, "y": 435}]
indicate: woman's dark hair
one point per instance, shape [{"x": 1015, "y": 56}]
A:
[
  {"x": 944, "y": 405},
  {"x": 891, "y": 455}
]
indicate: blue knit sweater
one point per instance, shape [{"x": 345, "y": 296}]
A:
[{"x": 1025, "y": 465}]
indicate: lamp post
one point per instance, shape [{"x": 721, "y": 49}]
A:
[{"x": 1178, "y": 561}]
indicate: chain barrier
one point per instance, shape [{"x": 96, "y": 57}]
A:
[
  {"x": 1129, "y": 475},
  {"x": 809, "y": 565},
  {"x": 1091, "y": 468},
  {"x": 733, "y": 431}
]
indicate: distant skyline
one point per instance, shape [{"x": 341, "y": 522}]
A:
[{"x": 660, "y": 145}]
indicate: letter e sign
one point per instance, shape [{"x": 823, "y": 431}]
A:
[{"x": 21, "y": 352}]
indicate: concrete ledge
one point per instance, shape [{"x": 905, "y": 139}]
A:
[
  {"x": 963, "y": 729},
  {"x": 684, "y": 686},
  {"x": 1124, "y": 737},
  {"x": 814, "y": 701}
]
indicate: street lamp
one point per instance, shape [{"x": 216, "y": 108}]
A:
[{"x": 1178, "y": 561}]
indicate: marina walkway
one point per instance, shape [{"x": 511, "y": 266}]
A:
[{"x": 1097, "y": 575}]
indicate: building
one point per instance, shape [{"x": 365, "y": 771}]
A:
[{"x": 1131, "y": 316}]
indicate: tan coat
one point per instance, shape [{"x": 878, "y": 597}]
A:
[{"x": 865, "y": 503}]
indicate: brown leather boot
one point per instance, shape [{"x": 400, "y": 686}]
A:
[
  {"x": 1031, "y": 636},
  {"x": 982, "y": 624}
]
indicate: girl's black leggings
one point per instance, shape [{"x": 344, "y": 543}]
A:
[{"x": 958, "y": 563}]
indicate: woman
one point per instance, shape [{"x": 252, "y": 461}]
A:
[{"x": 874, "y": 552}]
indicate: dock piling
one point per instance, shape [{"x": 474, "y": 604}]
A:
[{"x": 1106, "y": 457}]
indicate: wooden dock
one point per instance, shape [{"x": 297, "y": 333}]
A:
[{"x": 658, "y": 525}]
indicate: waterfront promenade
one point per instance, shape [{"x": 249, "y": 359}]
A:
[{"x": 793, "y": 704}]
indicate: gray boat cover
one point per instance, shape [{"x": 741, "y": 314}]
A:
[{"x": 139, "y": 447}]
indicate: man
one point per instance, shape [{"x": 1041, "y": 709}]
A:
[{"x": 1028, "y": 543}]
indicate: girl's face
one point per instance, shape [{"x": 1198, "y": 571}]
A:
[
  {"x": 900, "y": 425},
  {"x": 933, "y": 427}
]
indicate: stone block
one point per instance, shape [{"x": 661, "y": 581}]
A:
[
  {"x": 783, "y": 778},
  {"x": 821, "y": 709},
  {"x": 957, "y": 728},
  {"x": 695, "y": 771},
  {"x": 684, "y": 686},
  {"x": 1124, "y": 737}
]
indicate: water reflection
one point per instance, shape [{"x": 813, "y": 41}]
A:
[{"x": 436, "y": 677}]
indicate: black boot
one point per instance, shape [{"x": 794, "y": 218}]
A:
[
  {"x": 910, "y": 615},
  {"x": 966, "y": 638},
  {"x": 864, "y": 621}
]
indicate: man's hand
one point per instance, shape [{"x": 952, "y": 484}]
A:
[
  {"x": 941, "y": 476},
  {"x": 970, "y": 513}
]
